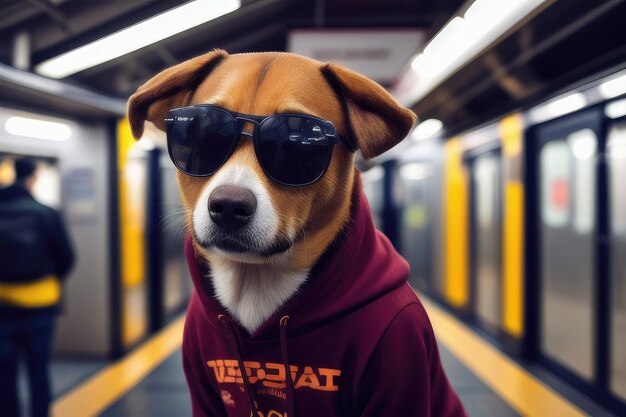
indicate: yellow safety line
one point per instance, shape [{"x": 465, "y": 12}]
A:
[
  {"x": 521, "y": 390},
  {"x": 104, "y": 388}
]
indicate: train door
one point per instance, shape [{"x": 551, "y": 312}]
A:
[
  {"x": 134, "y": 289},
  {"x": 486, "y": 238},
  {"x": 567, "y": 243},
  {"x": 170, "y": 283},
  {"x": 417, "y": 232},
  {"x": 373, "y": 186},
  {"x": 616, "y": 170}
]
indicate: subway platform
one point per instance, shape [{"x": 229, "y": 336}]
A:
[{"x": 149, "y": 381}]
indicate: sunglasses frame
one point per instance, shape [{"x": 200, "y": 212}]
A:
[{"x": 257, "y": 122}]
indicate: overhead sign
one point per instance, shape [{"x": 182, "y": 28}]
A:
[{"x": 379, "y": 54}]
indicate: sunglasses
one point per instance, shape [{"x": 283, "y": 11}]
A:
[{"x": 292, "y": 149}]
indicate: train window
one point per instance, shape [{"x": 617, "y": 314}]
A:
[
  {"x": 555, "y": 183},
  {"x": 583, "y": 145},
  {"x": 373, "y": 185},
  {"x": 616, "y": 160},
  {"x": 486, "y": 177},
  {"x": 47, "y": 188},
  {"x": 567, "y": 182},
  {"x": 177, "y": 285},
  {"x": 417, "y": 223}
]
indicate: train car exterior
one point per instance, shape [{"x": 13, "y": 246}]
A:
[{"x": 519, "y": 227}]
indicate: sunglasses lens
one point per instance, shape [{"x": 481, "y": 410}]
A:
[
  {"x": 293, "y": 150},
  {"x": 200, "y": 139}
]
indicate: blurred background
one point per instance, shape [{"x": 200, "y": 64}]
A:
[{"x": 508, "y": 198}]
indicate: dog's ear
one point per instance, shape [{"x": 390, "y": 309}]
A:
[
  {"x": 169, "y": 89},
  {"x": 376, "y": 121}
]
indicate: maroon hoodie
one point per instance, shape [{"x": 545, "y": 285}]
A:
[{"x": 356, "y": 340}]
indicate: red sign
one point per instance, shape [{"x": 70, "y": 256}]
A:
[{"x": 559, "y": 195}]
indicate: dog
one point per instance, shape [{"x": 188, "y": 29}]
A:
[{"x": 302, "y": 307}]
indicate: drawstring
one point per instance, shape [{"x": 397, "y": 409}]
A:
[
  {"x": 225, "y": 322},
  {"x": 288, "y": 379}
]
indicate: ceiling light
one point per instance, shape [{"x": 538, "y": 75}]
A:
[
  {"x": 135, "y": 37},
  {"x": 445, "y": 38},
  {"x": 426, "y": 129},
  {"x": 558, "y": 107},
  {"x": 613, "y": 88},
  {"x": 38, "y": 128},
  {"x": 461, "y": 40},
  {"x": 616, "y": 109},
  {"x": 566, "y": 105},
  {"x": 417, "y": 62}
]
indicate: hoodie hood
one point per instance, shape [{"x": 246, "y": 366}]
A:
[{"x": 361, "y": 266}]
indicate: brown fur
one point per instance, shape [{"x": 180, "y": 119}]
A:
[{"x": 365, "y": 115}]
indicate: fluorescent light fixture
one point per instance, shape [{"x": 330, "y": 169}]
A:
[
  {"x": 613, "y": 88},
  {"x": 418, "y": 62},
  {"x": 462, "y": 39},
  {"x": 449, "y": 43},
  {"x": 566, "y": 105},
  {"x": 415, "y": 171},
  {"x": 426, "y": 129},
  {"x": 38, "y": 128},
  {"x": 135, "y": 37},
  {"x": 558, "y": 107},
  {"x": 615, "y": 109}
]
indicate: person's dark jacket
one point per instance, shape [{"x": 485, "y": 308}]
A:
[{"x": 33, "y": 240}]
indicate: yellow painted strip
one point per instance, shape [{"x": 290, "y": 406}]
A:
[
  {"x": 522, "y": 391},
  {"x": 512, "y": 134},
  {"x": 132, "y": 206},
  {"x": 513, "y": 240},
  {"x": 456, "y": 226},
  {"x": 104, "y": 388},
  {"x": 511, "y": 131}
]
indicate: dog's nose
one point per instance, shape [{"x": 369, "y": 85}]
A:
[{"x": 231, "y": 207}]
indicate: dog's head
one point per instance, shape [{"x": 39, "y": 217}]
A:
[{"x": 240, "y": 214}]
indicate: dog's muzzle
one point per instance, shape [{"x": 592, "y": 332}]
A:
[
  {"x": 232, "y": 211},
  {"x": 234, "y": 215}
]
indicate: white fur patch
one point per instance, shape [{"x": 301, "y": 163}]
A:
[
  {"x": 250, "y": 286},
  {"x": 252, "y": 293}
]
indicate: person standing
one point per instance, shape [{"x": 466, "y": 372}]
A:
[{"x": 35, "y": 256}]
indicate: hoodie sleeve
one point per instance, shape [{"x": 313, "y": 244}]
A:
[
  {"x": 404, "y": 375},
  {"x": 205, "y": 401}
]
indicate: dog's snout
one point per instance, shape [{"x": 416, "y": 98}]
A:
[{"x": 231, "y": 207}]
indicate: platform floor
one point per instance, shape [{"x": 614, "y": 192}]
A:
[{"x": 149, "y": 381}]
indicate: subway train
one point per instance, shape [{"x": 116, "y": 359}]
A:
[{"x": 519, "y": 227}]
